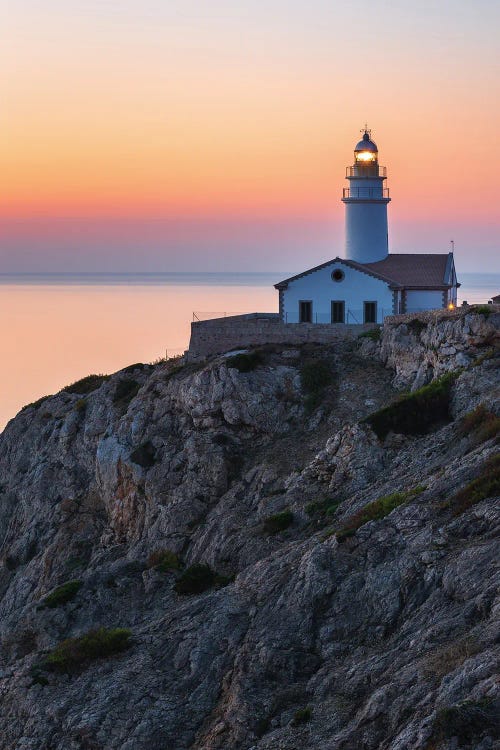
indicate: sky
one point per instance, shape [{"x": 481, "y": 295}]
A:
[{"x": 177, "y": 135}]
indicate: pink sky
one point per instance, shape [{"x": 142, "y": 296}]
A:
[{"x": 150, "y": 135}]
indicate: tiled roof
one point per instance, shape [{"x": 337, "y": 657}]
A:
[
  {"x": 429, "y": 270},
  {"x": 413, "y": 269}
]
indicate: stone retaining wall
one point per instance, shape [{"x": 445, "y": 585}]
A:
[{"x": 220, "y": 335}]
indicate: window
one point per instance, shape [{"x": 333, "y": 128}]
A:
[
  {"x": 338, "y": 311},
  {"x": 338, "y": 275},
  {"x": 305, "y": 311},
  {"x": 370, "y": 312}
]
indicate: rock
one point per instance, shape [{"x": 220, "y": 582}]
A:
[{"x": 381, "y": 633}]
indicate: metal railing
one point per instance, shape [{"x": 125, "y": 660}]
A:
[
  {"x": 366, "y": 170},
  {"x": 352, "y": 316},
  {"x": 199, "y": 316},
  {"x": 366, "y": 192}
]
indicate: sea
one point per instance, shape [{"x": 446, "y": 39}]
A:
[{"x": 58, "y": 327}]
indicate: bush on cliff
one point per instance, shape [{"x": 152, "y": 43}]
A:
[
  {"x": 467, "y": 721},
  {"x": 86, "y": 385},
  {"x": 62, "y": 594},
  {"x": 126, "y": 389},
  {"x": 73, "y": 653},
  {"x": 487, "y": 484},
  {"x": 374, "y": 334},
  {"x": 315, "y": 376},
  {"x": 163, "y": 560},
  {"x": 480, "y": 425},
  {"x": 278, "y": 522},
  {"x": 199, "y": 578},
  {"x": 375, "y": 511},
  {"x": 246, "y": 362},
  {"x": 415, "y": 413}
]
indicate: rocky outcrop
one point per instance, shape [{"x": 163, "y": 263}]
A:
[{"x": 387, "y": 639}]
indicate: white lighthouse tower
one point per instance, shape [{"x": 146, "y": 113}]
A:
[{"x": 366, "y": 199}]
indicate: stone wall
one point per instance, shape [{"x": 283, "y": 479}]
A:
[{"x": 220, "y": 335}]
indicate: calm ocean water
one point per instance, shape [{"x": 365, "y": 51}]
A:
[{"x": 56, "y": 328}]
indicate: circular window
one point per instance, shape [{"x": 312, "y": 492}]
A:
[{"x": 338, "y": 275}]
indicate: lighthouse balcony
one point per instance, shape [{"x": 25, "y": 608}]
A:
[
  {"x": 366, "y": 193},
  {"x": 366, "y": 170}
]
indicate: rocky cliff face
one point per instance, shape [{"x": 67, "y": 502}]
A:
[{"x": 350, "y": 601}]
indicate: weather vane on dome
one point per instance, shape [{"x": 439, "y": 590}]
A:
[{"x": 366, "y": 129}]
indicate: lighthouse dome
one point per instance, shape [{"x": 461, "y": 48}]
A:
[{"x": 366, "y": 144}]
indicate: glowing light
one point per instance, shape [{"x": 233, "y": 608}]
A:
[
  {"x": 365, "y": 156},
  {"x": 451, "y": 306}
]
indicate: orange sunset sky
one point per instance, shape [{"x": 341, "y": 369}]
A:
[{"x": 194, "y": 135}]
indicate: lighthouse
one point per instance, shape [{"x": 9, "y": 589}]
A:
[{"x": 366, "y": 199}]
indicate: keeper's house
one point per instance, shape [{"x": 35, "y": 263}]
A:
[{"x": 369, "y": 283}]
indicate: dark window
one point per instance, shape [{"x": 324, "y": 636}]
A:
[
  {"x": 338, "y": 275},
  {"x": 370, "y": 312},
  {"x": 338, "y": 311},
  {"x": 305, "y": 311}
]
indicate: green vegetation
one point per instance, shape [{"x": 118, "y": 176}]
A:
[
  {"x": 246, "y": 362},
  {"x": 302, "y": 716},
  {"x": 125, "y": 390},
  {"x": 480, "y": 424},
  {"x": 137, "y": 366},
  {"x": 467, "y": 721},
  {"x": 278, "y": 522},
  {"x": 416, "y": 326},
  {"x": 375, "y": 511},
  {"x": 415, "y": 413},
  {"x": 74, "y": 653},
  {"x": 487, "y": 484},
  {"x": 163, "y": 560},
  {"x": 322, "y": 511},
  {"x": 86, "y": 385},
  {"x": 374, "y": 334},
  {"x": 482, "y": 309},
  {"x": 199, "y": 578},
  {"x": 81, "y": 406},
  {"x": 315, "y": 377},
  {"x": 62, "y": 594},
  {"x": 36, "y": 404},
  {"x": 144, "y": 455}
]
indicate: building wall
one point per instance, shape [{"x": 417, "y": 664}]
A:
[
  {"x": 420, "y": 299},
  {"x": 354, "y": 289},
  {"x": 366, "y": 235},
  {"x": 220, "y": 335}
]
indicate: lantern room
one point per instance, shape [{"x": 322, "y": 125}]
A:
[{"x": 366, "y": 151}]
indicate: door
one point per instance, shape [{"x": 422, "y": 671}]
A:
[
  {"x": 305, "y": 311},
  {"x": 338, "y": 311},
  {"x": 370, "y": 312}
]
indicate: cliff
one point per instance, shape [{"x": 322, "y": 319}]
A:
[{"x": 296, "y": 552}]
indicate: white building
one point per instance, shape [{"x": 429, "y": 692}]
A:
[{"x": 369, "y": 283}]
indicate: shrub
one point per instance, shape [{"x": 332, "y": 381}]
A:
[
  {"x": 487, "y": 484},
  {"x": 125, "y": 390},
  {"x": 482, "y": 309},
  {"x": 468, "y": 720},
  {"x": 321, "y": 511},
  {"x": 315, "y": 377},
  {"x": 199, "y": 578},
  {"x": 144, "y": 455},
  {"x": 415, "y": 413},
  {"x": 246, "y": 362},
  {"x": 302, "y": 716},
  {"x": 278, "y": 522},
  {"x": 81, "y": 406},
  {"x": 36, "y": 404},
  {"x": 87, "y": 384},
  {"x": 375, "y": 511},
  {"x": 416, "y": 326},
  {"x": 374, "y": 334},
  {"x": 73, "y": 653},
  {"x": 62, "y": 594},
  {"x": 480, "y": 423},
  {"x": 163, "y": 560}
]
